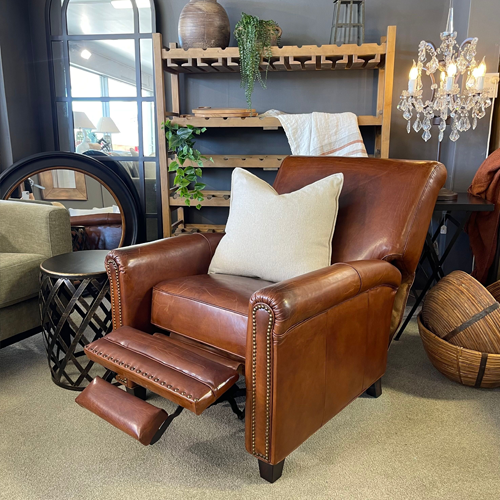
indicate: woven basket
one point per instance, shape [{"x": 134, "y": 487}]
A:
[
  {"x": 465, "y": 366},
  {"x": 464, "y": 313}
]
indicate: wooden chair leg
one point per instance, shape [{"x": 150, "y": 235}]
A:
[
  {"x": 137, "y": 391},
  {"x": 375, "y": 390},
  {"x": 270, "y": 473}
]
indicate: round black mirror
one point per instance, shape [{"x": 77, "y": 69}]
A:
[{"x": 63, "y": 170}]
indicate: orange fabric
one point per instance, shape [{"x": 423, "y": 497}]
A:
[{"x": 483, "y": 226}]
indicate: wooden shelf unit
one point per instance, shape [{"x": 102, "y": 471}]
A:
[
  {"x": 266, "y": 162},
  {"x": 174, "y": 60},
  {"x": 288, "y": 58},
  {"x": 267, "y": 123}
]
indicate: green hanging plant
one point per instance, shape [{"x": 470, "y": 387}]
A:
[
  {"x": 181, "y": 141},
  {"x": 254, "y": 38}
]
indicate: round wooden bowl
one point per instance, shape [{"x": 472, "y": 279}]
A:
[
  {"x": 465, "y": 366},
  {"x": 462, "y": 312}
]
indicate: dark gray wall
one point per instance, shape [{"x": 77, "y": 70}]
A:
[{"x": 19, "y": 110}]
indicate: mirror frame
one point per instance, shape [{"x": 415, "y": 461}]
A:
[
  {"x": 114, "y": 179},
  {"x": 50, "y": 192}
]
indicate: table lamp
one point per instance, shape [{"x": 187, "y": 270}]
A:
[
  {"x": 82, "y": 123},
  {"x": 106, "y": 126}
]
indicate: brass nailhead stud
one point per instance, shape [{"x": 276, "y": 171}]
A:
[
  {"x": 176, "y": 390},
  {"x": 138, "y": 371},
  {"x": 100, "y": 354},
  {"x": 183, "y": 393},
  {"x": 151, "y": 376},
  {"x": 189, "y": 396},
  {"x": 169, "y": 386},
  {"x": 121, "y": 363},
  {"x": 163, "y": 383},
  {"x": 156, "y": 379},
  {"x": 126, "y": 366}
]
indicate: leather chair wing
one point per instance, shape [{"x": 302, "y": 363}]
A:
[{"x": 384, "y": 209}]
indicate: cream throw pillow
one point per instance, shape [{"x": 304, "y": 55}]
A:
[{"x": 276, "y": 237}]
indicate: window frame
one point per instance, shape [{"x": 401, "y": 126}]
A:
[{"x": 139, "y": 99}]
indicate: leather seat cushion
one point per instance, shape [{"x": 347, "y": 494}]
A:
[
  {"x": 212, "y": 309},
  {"x": 19, "y": 277}
]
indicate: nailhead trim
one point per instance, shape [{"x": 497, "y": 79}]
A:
[
  {"x": 116, "y": 322},
  {"x": 145, "y": 374},
  {"x": 268, "y": 375}
]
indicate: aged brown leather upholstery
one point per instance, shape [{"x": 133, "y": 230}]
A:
[
  {"x": 311, "y": 344},
  {"x": 102, "y": 231},
  {"x": 146, "y": 418}
]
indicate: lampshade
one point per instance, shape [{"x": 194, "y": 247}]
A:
[
  {"x": 81, "y": 120},
  {"x": 106, "y": 125}
]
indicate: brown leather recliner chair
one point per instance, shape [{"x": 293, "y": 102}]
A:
[{"x": 307, "y": 346}]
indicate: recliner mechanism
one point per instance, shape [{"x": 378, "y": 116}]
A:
[{"x": 230, "y": 396}]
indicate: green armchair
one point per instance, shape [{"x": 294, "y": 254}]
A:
[{"x": 29, "y": 234}]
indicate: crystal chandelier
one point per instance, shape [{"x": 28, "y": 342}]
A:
[{"x": 459, "y": 94}]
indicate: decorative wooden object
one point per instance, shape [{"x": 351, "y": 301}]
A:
[
  {"x": 208, "y": 112},
  {"x": 465, "y": 366},
  {"x": 175, "y": 60},
  {"x": 204, "y": 24},
  {"x": 51, "y": 192},
  {"x": 464, "y": 313},
  {"x": 348, "y": 21}
]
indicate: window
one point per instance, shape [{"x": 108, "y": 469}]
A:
[{"x": 102, "y": 79}]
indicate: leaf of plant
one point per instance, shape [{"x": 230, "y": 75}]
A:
[
  {"x": 198, "y": 206},
  {"x": 191, "y": 178},
  {"x": 189, "y": 170},
  {"x": 198, "y": 172},
  {"x": 184, "y": 182},
  {"x": 199, "y": 186},
  {"x": 184, "y": 133},
  {"x": 174, "y": 165},
  {"x": 177, "y": 180},
  {"x": 187, "y": 201}
]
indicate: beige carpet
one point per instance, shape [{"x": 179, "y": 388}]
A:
[{"x": 425, "y": 438}]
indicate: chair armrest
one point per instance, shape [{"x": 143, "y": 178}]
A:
[
  {"x": 134, "y": 271},
  {"x": 297, "y": 299},
  {"x": 314, "y": 343},
  {"x": 29, "y": 227}
]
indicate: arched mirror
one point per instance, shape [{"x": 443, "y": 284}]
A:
[{"x": 102, "y": 78}]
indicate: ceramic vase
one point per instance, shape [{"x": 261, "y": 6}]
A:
[{"x": 204, "y": 24}]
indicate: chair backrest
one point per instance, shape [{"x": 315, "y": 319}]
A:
[{"x": 385, "y": 209}]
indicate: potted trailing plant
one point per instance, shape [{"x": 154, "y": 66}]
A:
[
  {"x": 181, "y": 141},
  {"x": 255, "y": 38}
]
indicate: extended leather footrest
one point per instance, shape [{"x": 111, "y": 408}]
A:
[
  {"x": 190, "y": 379},
  {"x": 131, "y": 415}
]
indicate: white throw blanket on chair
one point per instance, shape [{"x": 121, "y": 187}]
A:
[{"x": 322, "y": 134}]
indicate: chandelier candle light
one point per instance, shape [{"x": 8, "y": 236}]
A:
[{"x": 459, "y": 94}]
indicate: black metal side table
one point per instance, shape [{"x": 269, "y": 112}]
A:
[
  {"x": 466, "y": 203},
  {"x": 75, "y": 309}
]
